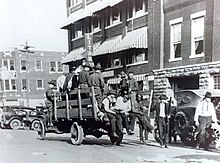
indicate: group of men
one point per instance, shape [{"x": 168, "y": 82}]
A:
[{"x": 129, "y": 105}]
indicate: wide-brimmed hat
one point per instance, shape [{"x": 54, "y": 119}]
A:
[
  {"x": 208, "y": 94},
  {"x": 98, "y": 66},
  {"x": 163, "y": 97},
  {"x": 123, "y": 74},
  {"x": 86, "y": 65},
  {"x": 53, "y": 82}
]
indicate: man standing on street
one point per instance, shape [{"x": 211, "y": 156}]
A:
[
  {"x": 162, "y": 109},
  {"x": 204, "y": 116}
]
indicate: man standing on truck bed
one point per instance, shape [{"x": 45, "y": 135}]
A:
[
  {"x": 204, "y": 116},
  {"x": 97, "y": 81}
]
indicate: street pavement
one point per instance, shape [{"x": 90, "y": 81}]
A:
[{"x": 23, "y": 146}]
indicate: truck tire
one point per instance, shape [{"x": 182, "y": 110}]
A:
[{"x": 76, "y": 133}]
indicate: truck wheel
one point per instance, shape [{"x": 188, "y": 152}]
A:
[
  {"x": 35, "y": 124},
  {"x": 116, "y": 141},
  {"x": 41, "y": 130},
  {"x": 15, "y": 124},
  {"x": 76, "y": 132},
  {"x": 216, "y": 131}
]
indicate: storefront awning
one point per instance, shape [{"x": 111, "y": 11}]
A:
[
  {"x": 107, "y": 46},
  {"x": 88, "y": 11},
  {"x": 74, "y": 55},
  {"x": 133, "y": 39}
]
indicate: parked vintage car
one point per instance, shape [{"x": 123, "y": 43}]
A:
[
  {"x": 187, "y": 101},
  {"x": 15, "y": 117}
]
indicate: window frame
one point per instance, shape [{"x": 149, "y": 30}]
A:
[
  {"x": 56, "y": 70},
  {"x": 75, "y": 2},
  {"x": 193, "y": 17},
  {"x": 172, "y": 23},
  {"x": 25, "y": 65},
  {"x": 10, "y": 86},
  {"x": 41, "y": 65},
  {"x": 23, "y": 90},
  {"x": 39, "y": 88}
]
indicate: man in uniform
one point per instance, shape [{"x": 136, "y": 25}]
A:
[
  {"x": 84, "y": 76},
  {"x": 50, "y": 100},
  {"x": 162, "y": 116},
  {"x": 123, "y": 85},
  {"x": 97, "y": 81},
  {"x": 204, "y": 116}
]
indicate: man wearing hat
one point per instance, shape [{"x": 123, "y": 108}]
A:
[
  {"x": 123, "y": 85},
  {"x": 97, "y": 81},
  {"x": 84, "y": 76},
  {"x": 110, "y": 108},
  {"x": 50, "y": 100},
  {"x": 162, "y": 109},
  {"x": 204, "y": 116},
  {"x": 69, "y": 78}
]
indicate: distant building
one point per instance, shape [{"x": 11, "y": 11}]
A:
[
  {"x": 175, "y": 41},
  {"x": 24, "y": 76}
]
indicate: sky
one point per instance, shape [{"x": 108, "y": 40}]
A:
[{"x": 36, "y": 21}]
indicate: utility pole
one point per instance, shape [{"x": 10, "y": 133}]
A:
[{"x": 26, "y": 51}]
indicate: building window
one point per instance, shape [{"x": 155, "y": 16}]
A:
[
  {"x": 12, "y": 64},
  {"x": 56, "y": 66},
  {"x": 197, "y": 35},
  {"x": 60, "y": 66},
  {"x": 5, "y": 64},
  {"x": 96, "y": 23},
  {"x": 23, "y": 65},
  {"x": 116, "y": 62},
  {"x": 52, "y": 66},
  {"x": 130, "y": 10},
  {"x": 10, "y": 84},
  {"x": 139, "y": 56},
  {"x": 175, "y": 39},
  {"x": 113, "y": 16},
  {"x": 38, "y": 65},
  {"x": 7, "y": 85},
  {"x": 75, "y": 2},
  {"x": 39, "y": 84},
  {"x": 23, "y": 84},
  {"x": 78, "y": 31},
  {"x": 216, "y": 81},
  {"x": 140, "y": 7}
]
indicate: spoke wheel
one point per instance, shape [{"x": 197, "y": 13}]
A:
[
  {"x": 35, "y": 124},
  {"x": 216, "y": 134},
  {"x": 15, "y": 124},
  {"x": 76, "y": 133},
  {"x": 116, "y": 140},
  {"x": 41, "y": 130}
]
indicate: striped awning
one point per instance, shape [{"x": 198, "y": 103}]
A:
[
  {"x": 75, "y": 54},
  {"x": 134, "y": 39},
  {"x": 107, "y": 46},
  {"x": 89, "y": 10},
  {"x": 139, "y": 77}
]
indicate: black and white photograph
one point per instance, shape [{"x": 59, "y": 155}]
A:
[{"x": 109, "y": 81}]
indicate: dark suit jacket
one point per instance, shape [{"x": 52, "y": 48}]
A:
[{"x": 156, "y": 108}]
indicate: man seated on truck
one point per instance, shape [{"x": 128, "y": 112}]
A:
[
  {"x": 109, "y": 107},
  {"x": 84, "y": 76}
]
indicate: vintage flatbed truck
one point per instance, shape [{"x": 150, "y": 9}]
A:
[{"x": 76, "y": 114}]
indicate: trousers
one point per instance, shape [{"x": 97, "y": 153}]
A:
[
  {"x": 115, "y": 119},
  {"x": 163, "y": 130}
]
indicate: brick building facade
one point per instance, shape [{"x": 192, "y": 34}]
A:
[
  {"x": 24, "y": 76},
  {"x": 178, "y": 41}
]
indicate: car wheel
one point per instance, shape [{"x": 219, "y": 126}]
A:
[
  {"x": 35, "y": 124},
  {"x": 216, "y": 134},
  {"x": 15, "y": 124}
]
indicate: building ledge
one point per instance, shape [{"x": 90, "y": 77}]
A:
[
  {"x": 113, "y": 25},
  {"x": 137, "y": 63},
  {"x": 137, "y": 16},
  {"x": 175, "y": 59},
  {"x": 112, "y": 68},
  {"x": 197, "y": 56}
]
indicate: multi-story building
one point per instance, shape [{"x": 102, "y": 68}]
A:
[
  {"x": 24, "y": 76},
  {"x": 175, "y": 40}
]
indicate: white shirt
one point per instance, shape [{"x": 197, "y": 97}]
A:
[
  {"x": 107, "y": 106},
  {"x": 205, "y": 108},
  {"x": 60, "y": 81},
  {"x": 162, "y": 110},
  {"x": 124, "y": 106}
]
